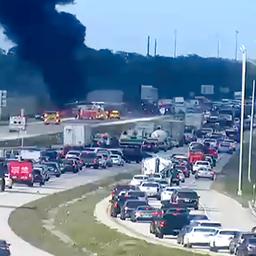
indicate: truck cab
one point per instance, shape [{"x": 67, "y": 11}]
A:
[
  {"x": 17, "y": 123},
  {"x": 52, "y": 117}
]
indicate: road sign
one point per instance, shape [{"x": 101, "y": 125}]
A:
[{"x": 3, "y": 97}]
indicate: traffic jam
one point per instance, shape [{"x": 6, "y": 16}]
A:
[
  {"x": 159, "y": 195},
  {"x": 160, "y": 199}
]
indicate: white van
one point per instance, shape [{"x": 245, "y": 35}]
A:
[{"x": 17, "y": 123}]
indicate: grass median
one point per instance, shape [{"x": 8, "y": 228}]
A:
[
  {"x": 82, "y": 234},
  {"x": 227, "y": 181}
]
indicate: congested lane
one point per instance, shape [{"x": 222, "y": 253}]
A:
[
  {"x": 216, "y": 206},
  {"x": 20, "y": 195}
]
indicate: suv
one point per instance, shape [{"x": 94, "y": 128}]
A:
[
  {"x": 237, "y": 240},
  {"x": 70, "y": 165},
  {"x": 185, "y": 198},
  {"x": 44, "y": 171},
  {"x": 171, "y": 222},
  {"x": 53, "y": 169},
  {"x": 102, "y": 161},
  {"x": 90, "y": 159},
  {"x": 38, "y": 176},
  {"x": 130, "y": 206}
]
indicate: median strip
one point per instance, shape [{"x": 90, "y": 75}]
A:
[{"x": 71, "y": 214}]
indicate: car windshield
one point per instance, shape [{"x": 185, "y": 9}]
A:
[
  {"x": 145, "y": 208},
  {"x": 163, "y": 182},
  {"x": 135, "y": 204},
  {"x": 202, "y": 163},
  {"x": 114, "y": 156},
  {"x": 88, "y": 155},
  {"x": 197, "y": 217},
  {"x": 74, "y": 153},
  {"x": 139, "y": 177},
  {"x": 228, "y": 233},
  {"x": 204, "y": 230},
  {"x": 210, "y": 224},
  {"x": 151, "y": 185},
  {"x": 188, "y": 195},
  {"x": 136, "y": 193},
  {"x": 252, "y": 241}
]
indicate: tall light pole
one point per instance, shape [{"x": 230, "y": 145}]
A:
[
  {"x": 251, "y": 133},
  {"x": 240, "y": 177},
  {"x": 175, "y": 44},
  {"x": 218, "y": 48},
  {"x": 236, "y": 43}
]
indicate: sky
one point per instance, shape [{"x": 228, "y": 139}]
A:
[{"x": 124, "y": 25}]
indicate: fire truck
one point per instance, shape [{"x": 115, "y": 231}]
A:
[
  {"x": 92, "y": 112},
  {"x": 52, "y": 117}
]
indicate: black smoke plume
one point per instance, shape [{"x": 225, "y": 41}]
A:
[{"x": 51, "y": 41}]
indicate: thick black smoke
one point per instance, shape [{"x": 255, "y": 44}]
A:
[{"x": 51, "y": 41}]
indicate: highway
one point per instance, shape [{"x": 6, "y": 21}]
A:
[
  {"x": 216, "y": 206},
  {"x": 37, "y": 128},
  {"x": 20, "y": 195}
]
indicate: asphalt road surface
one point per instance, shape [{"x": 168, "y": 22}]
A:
[
  {"x": 217, "y": 206},
  {"x": 20, "y": 195},
  {"x": 37, "y": 128}
]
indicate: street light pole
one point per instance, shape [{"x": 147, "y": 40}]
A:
[
  {"x": 175, "y": 43},
  {"x": 236, "y": 43},
  {"x": 251, "y": 133},
  {"x": 240, "y": 177}
]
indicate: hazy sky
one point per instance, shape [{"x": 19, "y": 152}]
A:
[{"x": 124, "y": 25}]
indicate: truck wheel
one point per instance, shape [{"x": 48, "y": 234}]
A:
[
  {"x": 31, "y": 184},
  {"x": 95, "y": 167},
  {"x": 58, "y": 175},
  {"x": 160, "y": 235}
]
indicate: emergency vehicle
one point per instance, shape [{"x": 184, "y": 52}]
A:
[
  {"x": 52, "y": 117},
  {"x": 21, "y": 172},
  {"x": 17, "y": 123},
  {"x": 114, "y": 114}
]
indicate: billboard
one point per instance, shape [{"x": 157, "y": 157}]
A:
[{"x": 207, "y": 89}]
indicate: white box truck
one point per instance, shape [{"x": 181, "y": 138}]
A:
[{"x": 77, "y": 135}]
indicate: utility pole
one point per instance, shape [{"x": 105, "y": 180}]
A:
[
  {"x": 155, "y": 50},
  {"x": 251, "y": 133},
  {"x": 218, "y": 48},
  {"x": 240, "y": 177},
  {"x": 175, "y": 44},
  {"x": 148, "y": 46},
  {"x": 236, "y": 43}
]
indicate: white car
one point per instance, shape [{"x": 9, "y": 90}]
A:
[
  {"x": 117, "y": 160},
  {"x": 221, "y": 239},
  {"x": 156, "y": 177},
  {"x": 205, "y": 172},
  {"x": 208, "y": 224},
  {"x": 199, "y": 164},
  {"x": 8, "y": 181},
  {"x": 72, "y": 154},
  {"x": 167, "y": 193},
  {"x": 138, "y": 179},
  {"x": 212, "y": 142},
  {"x": 152, "y": 189},
  {"x": 198, "y": 236}
]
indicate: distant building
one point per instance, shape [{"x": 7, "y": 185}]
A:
[
  {"x": 207, "y": 89},
  {"x": 111, "y": 96}
]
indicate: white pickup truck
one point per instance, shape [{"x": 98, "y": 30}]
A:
[
  {"x": 17, "y": 123},
  {"x": 152, "y": 189}
]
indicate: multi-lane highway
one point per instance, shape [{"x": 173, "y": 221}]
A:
[
  {"x": 20, "y": 195},
  {"x": 216, "y": 206},
  {"x": 37, "y": 128}
]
